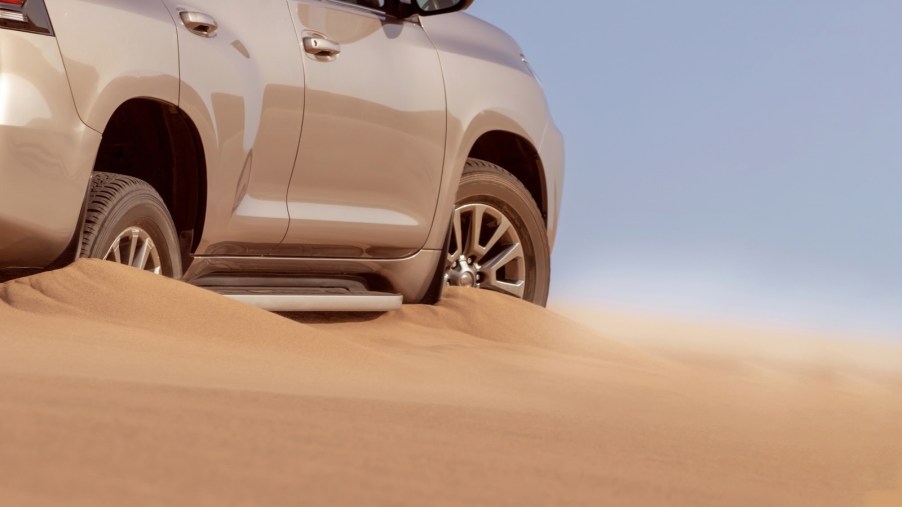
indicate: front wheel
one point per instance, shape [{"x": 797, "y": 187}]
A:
[
  {"x": 498, "y": 236},
  {"x": 128, "y": 223}
]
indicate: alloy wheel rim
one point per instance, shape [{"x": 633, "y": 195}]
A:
[
  {"x": 134, "y": 247},
  {"x": 486, "y": 251}
]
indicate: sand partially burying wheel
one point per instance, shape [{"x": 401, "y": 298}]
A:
[{"x": 121, "y": 388}]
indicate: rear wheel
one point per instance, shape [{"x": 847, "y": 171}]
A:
[
  {"x": 498, "y": 237},
  {"x": 128, "y": 223}
]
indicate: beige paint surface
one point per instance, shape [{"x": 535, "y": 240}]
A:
[{"x": 120, "y": 388}]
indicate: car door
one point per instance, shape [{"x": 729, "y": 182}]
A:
[
  {"x": 369, "y": 165},
  {"x": 242, "y": 84}
]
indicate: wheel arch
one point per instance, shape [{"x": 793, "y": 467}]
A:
[
  {"x": 516, "y": 154},
  {"x": 155, "y": 141}
]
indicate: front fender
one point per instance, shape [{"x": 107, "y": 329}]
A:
[{"x": 489, "y": 87}]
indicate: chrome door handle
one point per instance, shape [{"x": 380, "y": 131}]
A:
[
  {"x": 321, "y": 46},
  {"x": 199, "y": 23}
]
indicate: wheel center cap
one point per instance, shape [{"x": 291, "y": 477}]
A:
[
  {"x": 463, "y": 273},
  {"x": 467, "y": 280}
]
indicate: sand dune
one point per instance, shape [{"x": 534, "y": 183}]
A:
[
  {"x": 739, "y": 349},
  {"x": 120, "y": 388}
]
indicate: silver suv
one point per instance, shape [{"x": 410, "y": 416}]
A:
[{"x": 293, "y": 154}]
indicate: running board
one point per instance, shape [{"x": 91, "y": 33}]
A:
[{"x": 311, "y": 299}]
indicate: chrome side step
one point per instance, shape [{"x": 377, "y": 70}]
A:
[{"x": 312, "y": 299}]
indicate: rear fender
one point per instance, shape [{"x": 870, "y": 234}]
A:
[{"x": 114, "y": 51}]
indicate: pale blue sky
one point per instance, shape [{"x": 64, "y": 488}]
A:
[{"x": 734, "y": 159}]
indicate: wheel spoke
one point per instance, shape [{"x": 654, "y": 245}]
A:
[
  {"x": 491, "y": 268},
  {"x": 517, "y": 289},
  {"x": 133, "y": 246},
  {"x": 509, "y": 255},
  {"x": 143, "y": 254},
  {"x": 473, "y": 248},
  {"x": 117, "y": 256},
  {"x": 503, "y": 227}
]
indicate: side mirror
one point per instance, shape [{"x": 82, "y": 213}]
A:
[
  {"x": 434, "y": 7},
  {"x": 407, "y": 8}
]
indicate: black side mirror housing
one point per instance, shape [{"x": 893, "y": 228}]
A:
[
  {"x": 402, "y": 9},
  {"x": 434, "y": 7}
]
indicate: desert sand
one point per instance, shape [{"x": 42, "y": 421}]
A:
[{"x": 121, "y": 388}]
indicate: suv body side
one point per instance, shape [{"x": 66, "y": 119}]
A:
[{"x": 247, "y": 100}]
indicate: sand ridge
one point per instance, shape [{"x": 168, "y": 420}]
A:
[{"x": 123, "y": 388}]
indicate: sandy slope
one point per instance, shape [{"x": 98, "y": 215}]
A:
[{"x": 119, "y": 388}]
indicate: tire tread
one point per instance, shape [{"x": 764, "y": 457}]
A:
[
  {"x": 477, "y": 165},
  {"x": 106, "y": 189}
]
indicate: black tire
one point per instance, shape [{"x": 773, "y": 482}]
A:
[
  {"x": 121, "y": 204},
  {"x": 493, "y": 189}
]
